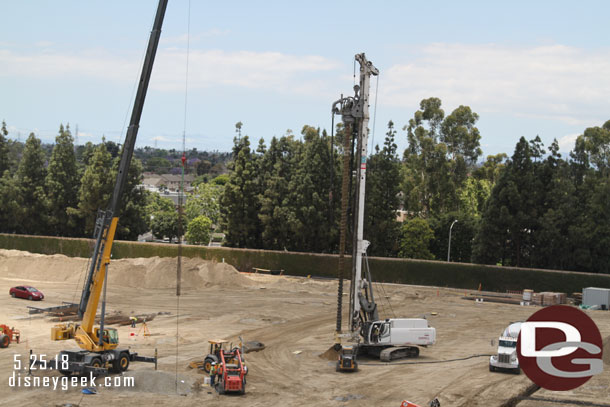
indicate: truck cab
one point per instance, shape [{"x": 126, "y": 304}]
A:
[{"x": 506, "y": 357}]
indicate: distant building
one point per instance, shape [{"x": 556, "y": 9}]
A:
[
  {"x": 169, "y": 181},
  {"x": 168, "y": 186}
]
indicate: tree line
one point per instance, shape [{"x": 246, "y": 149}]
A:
[
  {"x": 535, "y": 208},
  {"x": 57, "y": 189},
  {"x": 61, "y": 195},
  {"x": 286, "y": 195}
]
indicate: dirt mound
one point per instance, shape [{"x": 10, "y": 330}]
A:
[
  {"x": 160, "y": 272},
  {"x": 154, "y": 272},
  {"x": 26, "y": 267},
  {"x": 330, "y": 354}
]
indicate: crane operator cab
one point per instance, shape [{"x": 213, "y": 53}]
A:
[
  {"x": 380, "y": 332},
  {"x": 111, "y": 335}
]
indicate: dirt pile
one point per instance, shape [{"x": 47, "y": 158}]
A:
[
  {"x": 154, "y": 272},
  {"x": 25, "y": 267},
  {"x": 160, "y": 272}
]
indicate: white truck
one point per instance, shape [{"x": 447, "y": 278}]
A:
[{"x": 506, "y": 358}]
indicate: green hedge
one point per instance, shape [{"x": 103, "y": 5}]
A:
[{"x": 432, "y": 273}]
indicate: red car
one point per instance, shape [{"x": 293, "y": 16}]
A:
[{"x": 26, "y": 291}]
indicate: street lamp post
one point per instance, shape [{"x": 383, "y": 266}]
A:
[{"x": 449, "y": 248}]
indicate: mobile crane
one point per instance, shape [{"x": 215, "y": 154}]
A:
[
  {"x": 390, "y": 338},
  {"x": 99, "y": 346}
]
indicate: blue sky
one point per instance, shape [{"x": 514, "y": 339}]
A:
[{"x": 527, "y": 68}]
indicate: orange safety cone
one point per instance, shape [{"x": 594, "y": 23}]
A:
[{"x": 406, "y": 403}]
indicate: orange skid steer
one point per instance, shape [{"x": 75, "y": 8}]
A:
[{"x": 232, "y": 373}]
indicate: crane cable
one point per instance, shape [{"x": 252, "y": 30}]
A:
[
  {"x": 181, "y": 193},
  {"x": 380, "y": 285}
]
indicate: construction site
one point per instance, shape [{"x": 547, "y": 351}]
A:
[
  {"x": 177, "y": 331},
  {"x": 293, "y": 317}
]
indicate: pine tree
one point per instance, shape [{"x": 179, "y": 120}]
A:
[
  {"x": 555, "y": 242},
  {"x": 511, "y": 216},
  {"x": 31, "y": 175},
  {"x": 309, "y": 194},
  {"x": 62, "y": 184},
  {"x": 279, "y": 164},
  {"x": 239, "y": 204},
  {"x": 382, "y": 201},
  {"x": 10, "y": 204},
  {"x": 95, "y": 187},
  {"x": 132, "y": 215}
]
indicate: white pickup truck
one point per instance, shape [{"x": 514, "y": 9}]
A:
[{"x": 506, "y": 359}]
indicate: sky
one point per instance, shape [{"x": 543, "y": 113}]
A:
[{"x": 527, "y": 68}]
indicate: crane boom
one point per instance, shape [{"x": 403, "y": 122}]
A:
[
  {"x": 106, "y": 223},
  {"x": 99, "y": 344}
]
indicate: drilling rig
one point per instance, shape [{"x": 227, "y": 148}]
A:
[
  {"x": 391, "y": 338},
  {"x": 99, "y": 346}
]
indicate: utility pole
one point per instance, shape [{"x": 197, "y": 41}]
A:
[{"x": 449, "y": 248}]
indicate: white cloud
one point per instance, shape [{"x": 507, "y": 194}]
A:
[
  {"x": 161, "y": 138},
  {"x": 272, "y": 71},
  {"x": 566, "y": 143},
  {"x": 553, "y": 82},
  {"x": 254, "y": 70},
  {"x": 93, "y": 63}
]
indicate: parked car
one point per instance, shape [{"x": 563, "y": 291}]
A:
[{"x": 26, "y": 291}]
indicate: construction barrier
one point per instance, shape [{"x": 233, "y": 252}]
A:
[{"x": 392, "y": 270}]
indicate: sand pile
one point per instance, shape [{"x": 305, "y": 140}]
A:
[
  {"x": 29, "y": 267},
  {"x": 160, "y": 272},
  {"x": 154, "y": 272}
]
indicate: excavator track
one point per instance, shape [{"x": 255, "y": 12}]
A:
[{"x": 398, "y": 352}]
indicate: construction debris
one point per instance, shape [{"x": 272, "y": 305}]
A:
[
  {"x": 272, "y": 272},
  {"x": 112, "y": 319},
  {"x": 67, "y": 308},
  {"x": 527, "y": 297}
]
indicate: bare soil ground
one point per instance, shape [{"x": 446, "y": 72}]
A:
[{"x": 293, "y": 317}]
